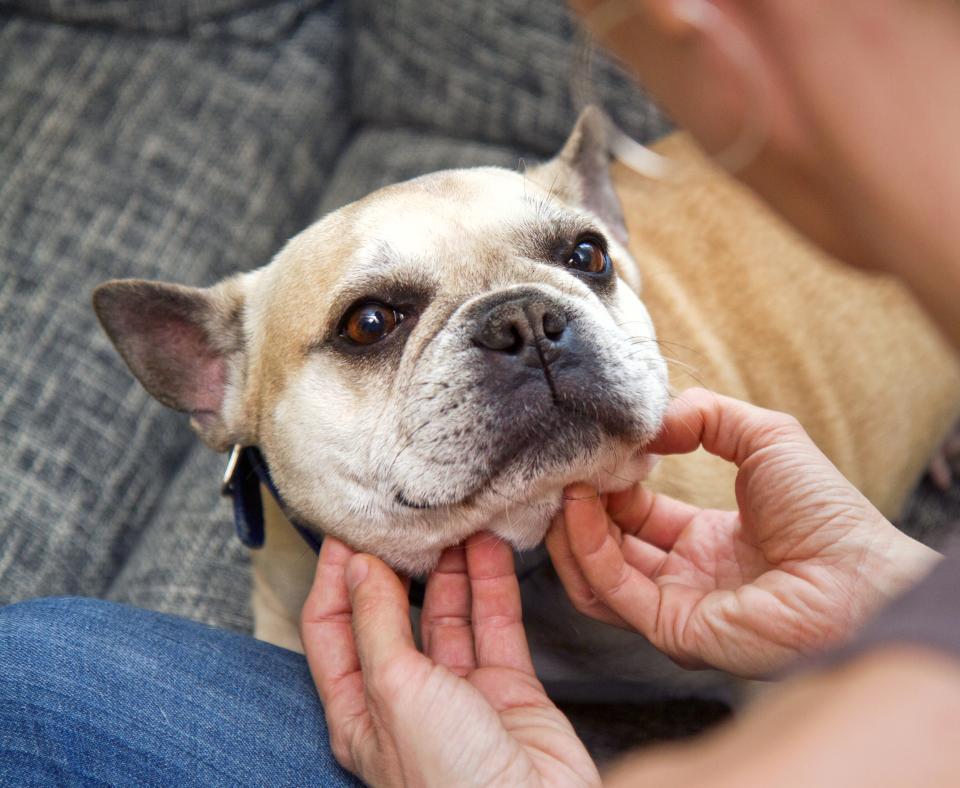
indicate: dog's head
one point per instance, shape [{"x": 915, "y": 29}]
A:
[{"x": 440, "y": 357}]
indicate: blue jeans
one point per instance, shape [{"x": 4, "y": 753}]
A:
[{"x": 95, "y": 693}]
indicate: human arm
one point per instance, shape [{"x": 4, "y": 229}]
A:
[{"x": 885, "y": 719}]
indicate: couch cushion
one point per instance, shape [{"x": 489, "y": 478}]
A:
[
  {"x": 378, "y": 156},
  {"x": 213, "y": 17},
  {"x": 497, "y": 71},
  {"x": 123, "y": 154}
]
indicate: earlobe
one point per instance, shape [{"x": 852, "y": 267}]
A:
[{"x": 179, "y": 342}]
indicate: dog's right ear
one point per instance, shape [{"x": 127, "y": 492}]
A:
[
  {"x": 580, "y": 173},
  {"x": 185, "y": 345}
]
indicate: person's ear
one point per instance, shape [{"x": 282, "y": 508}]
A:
[
  {"x": 580, "y": 173},
  {"x": 185, "y": 345}
]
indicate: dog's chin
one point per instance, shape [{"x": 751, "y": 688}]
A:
[{"x": 521, "y": 517}]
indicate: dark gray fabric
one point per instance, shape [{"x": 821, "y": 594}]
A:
[
  {"x": 499, "y": 72},
  {"x": 932, "y": 515},
  {"x": 377, "y": 156},
  {"x": 167, "y": 16},
  {"x": 131, "y": 155}
]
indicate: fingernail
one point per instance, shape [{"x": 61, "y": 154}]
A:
[{"x": 356, "y": 572}]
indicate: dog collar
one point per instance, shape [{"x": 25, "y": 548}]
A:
[{"x": 246, "y": 470}]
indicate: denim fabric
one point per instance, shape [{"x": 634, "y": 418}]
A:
[{"x": 95, "y": 693}]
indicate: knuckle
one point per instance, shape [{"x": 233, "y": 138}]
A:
[
  {"x": 616, "y": 586},
  {"x": 788, "y": 423}
]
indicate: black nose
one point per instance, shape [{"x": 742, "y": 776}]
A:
[{"x": 529, "y": 328}]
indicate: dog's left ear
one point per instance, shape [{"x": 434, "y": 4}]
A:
[
  {"x": 580, "y": 173},
  {"x": 186, "y": 346}
]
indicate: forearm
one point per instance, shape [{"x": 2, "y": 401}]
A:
[{"x": 887, "y": 718}]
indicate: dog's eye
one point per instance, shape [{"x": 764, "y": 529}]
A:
[
  {"x": 369, "y": 322},
  {"x": 589, "y": 257}
]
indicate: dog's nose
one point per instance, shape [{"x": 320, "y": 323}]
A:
[{"x": 532, "y": 330}]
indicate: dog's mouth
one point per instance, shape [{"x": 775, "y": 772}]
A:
[
  {"x": 465, "y": 500},
  {"x": 527, "y": 457},
  {"x": 550, "y": 426}
]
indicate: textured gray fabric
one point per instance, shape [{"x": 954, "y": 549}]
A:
[
  {"x": 166, "y": 16},
  {"x": 499, "y": 72},
  {"x": 132, "y": 155},
  {"x": 377, "y": 157}
]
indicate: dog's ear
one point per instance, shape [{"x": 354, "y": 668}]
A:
[
  {"x": 184, "y": 344},
  {"x": 580, "y": 173}
]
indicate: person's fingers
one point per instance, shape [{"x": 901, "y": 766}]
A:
[
  {"x": 572, "y": 579},
  {"x": 381, "y": 614},
  {"x": 499, "y": 638},
  {"x": 327, "y": 637},
  {"x": 726, "y": 427},
  {"x": 653, "y": 517},
  {"x": 642, "y": 556},
  {"x": 445, "y": 622},
  {"x": 625, "y": 590}
]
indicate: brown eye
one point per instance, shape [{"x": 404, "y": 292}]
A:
[
  {"x": 588, "y": 256},
  {"x": 369, "y": 322}
]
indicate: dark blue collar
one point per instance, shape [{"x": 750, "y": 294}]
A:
[{"x": 246, "y": 470}]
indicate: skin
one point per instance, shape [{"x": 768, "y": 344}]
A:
[
  {"x": 805, "y": 560},
  {"x": 877, "y": 200}
]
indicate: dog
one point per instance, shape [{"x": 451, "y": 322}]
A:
[{"x": 446, "y": 354}]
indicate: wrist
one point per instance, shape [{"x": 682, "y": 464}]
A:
[{"x": 900, "y": 564}]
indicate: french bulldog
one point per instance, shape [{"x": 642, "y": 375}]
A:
[{"x": 446, "y": 354}]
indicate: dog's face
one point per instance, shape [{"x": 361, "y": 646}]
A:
[{"x": 440, "y": 357}]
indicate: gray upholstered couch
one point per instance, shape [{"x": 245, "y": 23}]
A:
[{"x": 185, "y": 140}]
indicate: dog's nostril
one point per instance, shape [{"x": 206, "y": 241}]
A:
[
  {"x": 502, "y": 337},
  {"x": 517, "y": 345},
  {"x": 554, "y": 324}
]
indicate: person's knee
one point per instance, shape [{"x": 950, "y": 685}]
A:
[{"x": 39, "y": 628}]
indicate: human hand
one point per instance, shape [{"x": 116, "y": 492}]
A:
[
  {"x": 800, "y": 566},
  {"x": 469, "y": 710}
]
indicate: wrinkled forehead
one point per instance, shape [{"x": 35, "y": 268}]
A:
[
  {"x": 450, "y": 208},
  {"x": 458, "y": 226}
]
